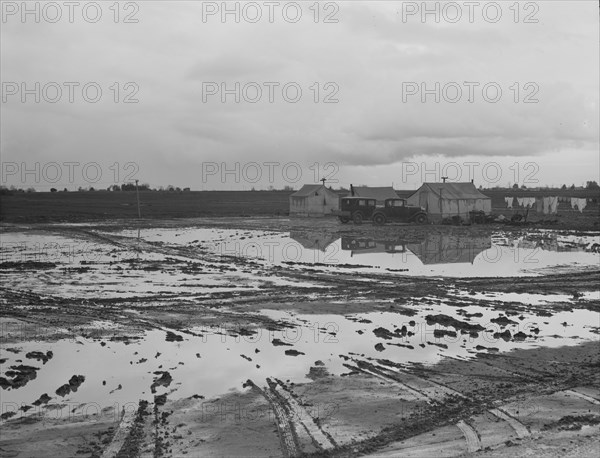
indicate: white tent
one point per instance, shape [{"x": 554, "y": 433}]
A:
[{"x": 442, "y": 200}]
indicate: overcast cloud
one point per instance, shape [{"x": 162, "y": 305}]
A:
[{"x": 369, "y": 135}]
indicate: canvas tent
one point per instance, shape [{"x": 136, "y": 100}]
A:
[
  {"x": 313, "y": 200},
  {"x": 377, "y": 193},
  {"x": 442, "y": 200}
]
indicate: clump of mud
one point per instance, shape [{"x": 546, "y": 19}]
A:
[
  {"x": 386, "y": 334},
  {"x": 293, "y": 353},
  {"x": 20, "y": 375},
  {"x": 39, "y": 356},
  {"x": 278, "y": 343},
  {"x": 165, "y": 380},
  {"x": 450, "y": 322},
  {"x": 43, "y": 399},
  {"x": 74, "y": 383},
  {"x": 172, "y": 337}
]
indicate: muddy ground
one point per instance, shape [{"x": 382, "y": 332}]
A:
[{"x": 402, "y": 365}]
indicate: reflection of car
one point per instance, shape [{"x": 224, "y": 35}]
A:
[
  {"x": 356, "y": 209},
  {"x": 362, "y": 245},
  {"x": 398, "y": 210},
  {"x": 352, "y": 244}
]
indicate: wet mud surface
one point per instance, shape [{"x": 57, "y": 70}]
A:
[{"x": 274, "y": 337}]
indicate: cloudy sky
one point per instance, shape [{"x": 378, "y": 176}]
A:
[{"x": 387, "y": 96}]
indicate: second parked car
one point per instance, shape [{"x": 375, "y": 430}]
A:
[{"x": 397, "y": 210}]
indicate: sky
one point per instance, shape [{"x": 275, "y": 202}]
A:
[{"x": 280, "y": 94}]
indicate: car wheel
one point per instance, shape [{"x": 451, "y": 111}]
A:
[
  {"x": 344, "y": 219},
  {"x": 379, "y": 219},
  {"x": 421, "y": 219},
  {"x": 357, "y": 218}
]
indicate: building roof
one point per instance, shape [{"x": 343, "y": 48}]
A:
[
  {"x": 308, "y": 190},
  {"x": 452, "y": 191},
  {"x": 380, "y": 193}
]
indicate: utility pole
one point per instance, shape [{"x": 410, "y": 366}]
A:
[
  {"x": 444, "y": 179},
  {"x": 137, "y": 193}
]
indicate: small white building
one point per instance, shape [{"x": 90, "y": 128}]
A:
[{"x": 313, "y": 200}]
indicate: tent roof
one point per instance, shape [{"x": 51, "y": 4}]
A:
[
  {"x": 313, "y": 241},
  {"x": 307, "y": 190},
  {"x": 452, "y": 191},
  {"x": 446, "y": 249},
  {"x": 380, "y": 193}
]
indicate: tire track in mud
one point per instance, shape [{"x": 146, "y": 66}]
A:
[
  {"x": 434, "y": 392},
  {"x": 299, "y": 413},
  {"x": 511, "y": 377},
  {"x": 298, "y": 432},
  {"x": 419, "y": 395},
  {"x": 419, "y": 386},
  {"x": 582, "y": 396},
  {"x": 516, "y": 425},
  {"x": 471, "y": 436},
  {"x": 95, "y": 235},
  {"x": 123, "y": 431},
  {"x": 128, "y": 441},
  {"x": 284, "y": 426}
]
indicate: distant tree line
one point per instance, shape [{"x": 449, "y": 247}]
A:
[{"x": 590, "y": 185}]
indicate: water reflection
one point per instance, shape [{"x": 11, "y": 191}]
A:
[
  {"x": 314, "y": 240},
  {"x": 450, "y": 249},
  {"x": 430, "y": 249},
  {"x": 358, "y": 246},
  {"x": 431, "y": 253},
  {"x": 498, "y": 254}
]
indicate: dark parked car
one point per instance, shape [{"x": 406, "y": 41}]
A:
[
  {"x": 356, "y": 209},
  {"x": 397, "y": 210}
]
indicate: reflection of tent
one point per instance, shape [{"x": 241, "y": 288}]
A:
[
  {"x": 446, "y": 249},
  {"x": 379, "y": 194},
  {"x": 313, "y": 200},
  {"x": 441, "y": 200},
  {"x": 313, "y": 240}
]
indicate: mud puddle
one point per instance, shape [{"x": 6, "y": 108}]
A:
[
  {"x": 91, "y": 268},
  {"x": 211, "y": 361},
  {"x": 433, "y": 254}
]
